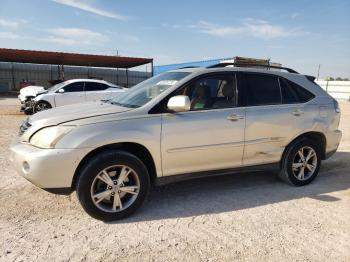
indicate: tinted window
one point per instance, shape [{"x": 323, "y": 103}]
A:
[
  {"x": 117, "y": 87},
  {"x": 289, "y": 96},
  {"x": 92, "y": 86},
  {"x": 293, "y": 93},
  {"x": 262, "y": 89},
  {"x": 74, "y": 87},
  {"x": 211, "y": 92}
]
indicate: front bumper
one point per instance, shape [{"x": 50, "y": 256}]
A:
[
  {"x": 27, "y": 105},
  {"x": 49, "y": 169}
]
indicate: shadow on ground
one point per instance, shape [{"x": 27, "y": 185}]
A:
[{"x": 219, "y": 194}]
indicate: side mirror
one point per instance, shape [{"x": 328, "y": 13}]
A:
[
  {"x": 61, "y": 91},
  {"x": 179, "y": 103}
]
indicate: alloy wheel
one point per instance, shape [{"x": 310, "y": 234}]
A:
[
  {"x": 304, "y": 163},
  {"x": 41, "y": 107},
  {"x": 115, "y": 188}
]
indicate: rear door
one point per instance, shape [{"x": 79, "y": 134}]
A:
[
  {"x": 95, "y": 91},
  {"x": 274, "y": 116},
  {"x": 73, "y": 93}
]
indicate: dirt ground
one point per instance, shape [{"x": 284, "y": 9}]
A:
[{"x": 250, "y": 217}]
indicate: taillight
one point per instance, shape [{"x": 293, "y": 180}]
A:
[{"x": 336, "y": 106}]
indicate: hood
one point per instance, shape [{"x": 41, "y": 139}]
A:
[
  {"x": 73, "y": 112},
  {"x": 31, "y": 90},
  {"x": 42, "y": 92}
]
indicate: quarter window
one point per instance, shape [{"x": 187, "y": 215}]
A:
[
  {"x": 293, "y": 93},
  {"x": 262, "y": 89}
]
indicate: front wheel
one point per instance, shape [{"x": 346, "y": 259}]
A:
[
  {"x": 113, "y": 185},
  {"x": 41, "y": 106},
  {"x": 301, "y": 162}
]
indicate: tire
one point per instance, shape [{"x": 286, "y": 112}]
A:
[
  {"x": 41, "y": 106},
  {"x": 131, "y": 191},
  {"x": 297, "y": 171},
  {"x": 28, "y": 111}
]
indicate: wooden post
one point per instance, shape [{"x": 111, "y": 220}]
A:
[
  {"x": 127, "y": 78},
  {"x": 13, "y": 77},
  {"x": 152, "y": 72}
]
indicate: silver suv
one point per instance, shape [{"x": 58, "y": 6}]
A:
[{"x": 182, "y": 124}]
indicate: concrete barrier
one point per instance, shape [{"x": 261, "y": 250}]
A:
[{"x": 337, "y": 89}]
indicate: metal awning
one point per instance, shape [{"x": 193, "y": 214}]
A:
[{"x": 59, "y": 58}]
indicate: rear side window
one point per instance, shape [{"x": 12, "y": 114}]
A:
[
  {"x": 293, "y": 93},
  {"x": 92, "y": 86},
  {"x": 262, "y": 89}
]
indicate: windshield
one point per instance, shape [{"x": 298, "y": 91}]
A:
[
  {"x": 56, "y": 87},
  {"x": 144, "y": 92}
]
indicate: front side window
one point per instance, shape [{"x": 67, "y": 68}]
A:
[
  {"x": 74, "y": 87},
  {"x": 262, "y": 89},
  {"x": 56, "y": 87},
  {"x": 147, "y": 90},
  {"x": 212, "y": 92}
]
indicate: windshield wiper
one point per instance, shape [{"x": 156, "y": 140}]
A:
[{"x": 123, "y": 105}]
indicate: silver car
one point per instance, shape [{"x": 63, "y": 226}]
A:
[{"x": 182, "y": 124}]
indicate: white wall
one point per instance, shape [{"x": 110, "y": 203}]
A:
[{"x": 337, "y": 89}]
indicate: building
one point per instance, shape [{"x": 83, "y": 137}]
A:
[{"x": 22, "y": 67}]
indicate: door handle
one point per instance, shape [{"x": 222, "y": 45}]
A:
[
  {"x": 297, "y": 112},
  {"x": 234, "y": 117}
]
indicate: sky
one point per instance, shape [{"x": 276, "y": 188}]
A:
[{"x": 298, "y": 34}]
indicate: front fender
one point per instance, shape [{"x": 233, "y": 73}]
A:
[{"x": 144, "y": 131}]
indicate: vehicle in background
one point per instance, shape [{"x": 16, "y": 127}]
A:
[
  {"x": 186, "y": 123},
  {"x": 75, "y": 91},
  {"x": 26, "y": 94},
  {"x": 26, "y": 83}
]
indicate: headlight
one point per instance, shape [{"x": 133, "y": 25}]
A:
[{"x": 49, "y": 136}]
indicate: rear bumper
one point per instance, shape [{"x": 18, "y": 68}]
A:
[{"x": 333, "y": 140}]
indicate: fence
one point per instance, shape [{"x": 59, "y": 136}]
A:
[
  {"x": 12, "y": 74},
  {"x": 337, "y": 89}
]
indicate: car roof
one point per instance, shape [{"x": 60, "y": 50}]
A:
[
  {"x": 203, "y": 70},
  {"x": 88, "y": 80}
]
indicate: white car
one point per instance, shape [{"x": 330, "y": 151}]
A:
[
  {"x": 76, "y": 91},
  {"x": 26, "y": 95},
  {"x": 29, "y": 91}
]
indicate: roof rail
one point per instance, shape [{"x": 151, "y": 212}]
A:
[{"x": 253, "y": 65}]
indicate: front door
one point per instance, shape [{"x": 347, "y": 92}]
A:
[
  {"x": 73, "y": 93},
  {"x": 211, "y": 135}
]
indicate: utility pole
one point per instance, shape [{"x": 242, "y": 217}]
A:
[{"x": 318, "y": 71}]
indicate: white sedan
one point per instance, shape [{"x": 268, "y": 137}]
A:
[{"x": 76, "y": 91}]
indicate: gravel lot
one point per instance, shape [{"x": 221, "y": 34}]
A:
[{"x": 250, "y": 217}]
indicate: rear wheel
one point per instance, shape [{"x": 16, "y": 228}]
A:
[
  {"x": 41, "y": 106},
  {"x": 113, "y": 185},
  {"x": 301, "y": 162}
]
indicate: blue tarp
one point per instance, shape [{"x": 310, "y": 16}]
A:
[{"x": 164, "y": 68}]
